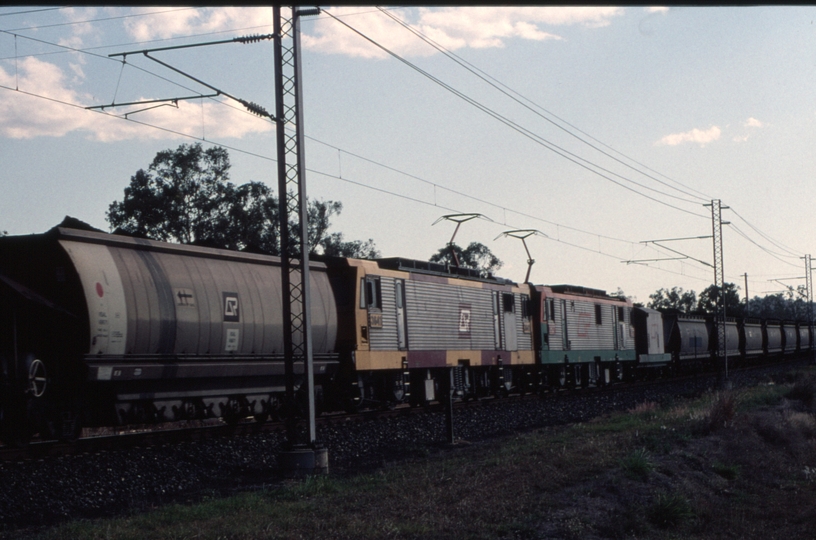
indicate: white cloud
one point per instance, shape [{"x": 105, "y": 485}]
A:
[
  {"x": 701, "y": 137},
  {"x": 24, "y": 116},
  {"x": 183, "y": 22},
  {"x": 657, "y": 9},
  {"x": 751, "y": 124},
  {"x": 452, "y": 27}
]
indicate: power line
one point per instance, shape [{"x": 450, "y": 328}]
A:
[
  {"x": 581, "y": 162},
  {"x": 129, "y": 43},
  {"x": 70, "y": 23},
  {"x": 360, "y": 157},
  {"x": 30, "y": 11},
  {"x": 322, "y": 173},
  {"x": 498, "y": 85}
]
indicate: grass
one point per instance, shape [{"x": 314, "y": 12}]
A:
[
  {"x": 729, "y": 472},
  {"x": 669, "y": 510},
  {"x": 677, "y": 471},
  {"x": 637, "y": 465}
]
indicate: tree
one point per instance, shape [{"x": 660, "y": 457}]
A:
[
  {"x": 708, "y": 300},
  {"x": 178, "y": 199},
  {"x": 779, "y": 306},
  {"x": 476, "y": 255},
  {"x": 185, "y": 196},
  {"x": 676, "y": 298}
]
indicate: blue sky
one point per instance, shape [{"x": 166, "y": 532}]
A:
[{"x": 626, "y": 121}]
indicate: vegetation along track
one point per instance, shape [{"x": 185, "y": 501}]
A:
[
  {"x": 98, "y": 440},
  {"x": 127, "y": 477}
]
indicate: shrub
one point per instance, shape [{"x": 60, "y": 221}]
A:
[
  {"x": 804, "y": 390},
  {"x": 669, "y": 510},
  {"x": 729, "y": 472},
  {"x": 723, "y": 411},
  {"x": 637, "y": 465}
]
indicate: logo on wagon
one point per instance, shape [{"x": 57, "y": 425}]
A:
[
  {"x": 231, "y": 313},
  {"x": 464, "y": 319}
]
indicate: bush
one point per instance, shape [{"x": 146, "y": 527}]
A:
[
  {"x": 804, "y": 390},
  {"x": 637, "y": 465},
  {"x": 729, "y": 472},
  {"x": 723, "y": 411},
  {"x": 669, "y": 510}
]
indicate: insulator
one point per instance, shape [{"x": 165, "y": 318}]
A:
[
  {"x": 254, "y": 38},
  {"x": 255, "y": 109}
]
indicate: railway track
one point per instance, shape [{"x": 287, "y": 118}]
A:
[{"x": 102, "y": 439}]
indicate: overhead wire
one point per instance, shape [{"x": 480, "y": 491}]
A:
[
  {"x": 498, "y": 85},
  {"x": 70, "y": 23},
  {"x": 322, "y": 173},
  {"x": 791, "y": 253},
  {"x": 233, "y": 148},
  {"x": 578, "y": 160},
  {"x": 355, "y": 155},
  {"x": 31, "y": 11},
  {"x": 509, "y": 92}
]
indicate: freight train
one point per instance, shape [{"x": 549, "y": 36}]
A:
[{"x": 99, "y": 329}]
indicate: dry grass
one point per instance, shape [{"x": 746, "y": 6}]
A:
[{"x": 726, "y": 465}]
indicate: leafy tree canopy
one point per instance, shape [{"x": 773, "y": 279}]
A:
[
  {"x": 708, "y": 300},
  {"x": 676, "y": 298},
  {"x": 186, "y": 196},
  {"x": 476, "y": 255},
  {"x": 791, "y": 305}
]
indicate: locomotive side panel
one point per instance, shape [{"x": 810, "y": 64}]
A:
[{"x": 585, "y": 326}]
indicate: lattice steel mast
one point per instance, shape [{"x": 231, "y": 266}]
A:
[
  {"x": 719, "y": 281},
  {"x": 809, "y": 287},
  {"x": 293, "y": 210}
]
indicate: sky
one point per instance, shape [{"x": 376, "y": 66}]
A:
[{"x": 602, "y": 129}]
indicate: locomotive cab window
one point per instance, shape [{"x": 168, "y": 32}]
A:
[
  {"x": 371, "y": 295},
  {"x": 598, "y": 317},
  {"x": 551, "y": 309},
  {"x": 621, "y": 314},
  {"x": 509, "y": 303}
]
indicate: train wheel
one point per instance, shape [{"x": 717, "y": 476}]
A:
[
  {"x": 37, "y": 378},
  {"x": 577, "y": 373},
  {"x": 584, "y": 375},
  {"x": 562, "y": 376},
  {"x": 601, "y": 375}
]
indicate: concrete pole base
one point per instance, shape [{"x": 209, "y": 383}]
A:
[{"x": 303, "y": 461}]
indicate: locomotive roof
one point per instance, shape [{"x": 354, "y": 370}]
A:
[
  {"x": 438, "y": 269},
  {"x": 578, "y": 289}
]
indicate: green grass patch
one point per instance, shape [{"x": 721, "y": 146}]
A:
[
  {"x": 669, "y": 510},
  {"x": 637, "y": 465},
  {"x": 622, "y": 474},
  {"x": 729, "y": 472}
]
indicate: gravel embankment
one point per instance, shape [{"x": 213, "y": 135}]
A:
[{"x": 43, "y": 492}]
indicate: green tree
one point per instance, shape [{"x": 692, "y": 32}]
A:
[
  {"x": 476, "y": 255},
  {"x": 787, "y": 305},
  {"x": 185, "y": 196},
  {"x": 676, "y": 298},
  {"x": 708, "y": 300}
]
